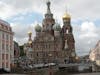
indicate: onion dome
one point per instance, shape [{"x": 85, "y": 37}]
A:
[
  {"x": 29, "y": 32},
  {"x": 57, "y": 27},
  {"x": 66, "y": 16},
  {"x": 38, "y": 28},
  {"x": 48, "y": 7}
]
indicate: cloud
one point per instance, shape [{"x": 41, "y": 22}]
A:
[
  {"x": 12, "y": 8},
  {"x": 86, "y": 33},
  {"x": 5, "y": 10},
  {"x": 86, "y": 36},
  {"x": 79, "y": 9},
  {"x": 88, "y": 29},
  {"x": 21, "y": 32}
]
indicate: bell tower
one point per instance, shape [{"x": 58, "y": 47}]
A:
[
  {"x": 68, "y": 38},
  {"x": 48, "y": 21},
  {"x": 67, "y": 28},
  {"x": 30, "y": 38}
]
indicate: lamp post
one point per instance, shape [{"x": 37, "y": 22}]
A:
[
  {"x": 77, "y": 59},
  {"x": 50, "y": 67},
  {"x": 73, "y": 57},
  {"x": 50, "y": 55}
]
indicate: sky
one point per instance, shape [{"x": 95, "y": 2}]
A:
[{"x": 23, "y": 15}]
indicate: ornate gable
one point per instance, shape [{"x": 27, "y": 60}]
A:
[{"x": 44, "y": 37}]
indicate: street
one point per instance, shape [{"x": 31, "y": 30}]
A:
[{"x": 62, "y": 74}]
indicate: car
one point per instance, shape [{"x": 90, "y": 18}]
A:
[{"x": 38, "y": 65}]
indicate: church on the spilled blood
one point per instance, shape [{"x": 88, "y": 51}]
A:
[{"x": 52, "y": 44}]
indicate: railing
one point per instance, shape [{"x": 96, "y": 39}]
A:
[{"x": 74, "y": 64}]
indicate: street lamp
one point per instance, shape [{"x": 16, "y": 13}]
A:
[
  {"x": 73, "y": 54},
  {"x": 72, "y": 57},
  {"x": 50, "y": 55}
]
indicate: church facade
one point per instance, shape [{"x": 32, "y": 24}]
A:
[{"x": 52, "y": 44}]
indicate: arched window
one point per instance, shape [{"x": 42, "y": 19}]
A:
[
  {"x": 66, "y": 31},
  {"x": 66, "y": 44}
]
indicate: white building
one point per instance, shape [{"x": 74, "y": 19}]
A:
[
  {"x": 6, "y": 46},
  {"x": 95, "y": 54},
  {"x": 92, "y": 55}
]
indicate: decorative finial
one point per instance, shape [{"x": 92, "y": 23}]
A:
[
  {"x": 48, "y": 2},
  {"x": 30, "y": 36},
  {"x": 66, "y": 14},
  {"x": 66, "y": 9},
  {"x": 29, "y": 30}
]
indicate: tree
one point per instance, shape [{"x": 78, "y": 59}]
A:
[{"x": 22, "y": 51}]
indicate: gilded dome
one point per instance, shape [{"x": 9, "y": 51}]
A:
[
  {"x": 38, "y": 28},
  {"x": 57, "y": 27},
  {"x": 29, "y": 32},
  {"x": 66, "y": 15}
]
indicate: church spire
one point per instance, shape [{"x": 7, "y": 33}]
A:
[
  {"x": 48, "y": 13},
  {"x": 48, "y": 7},
  {"x": 48, "y": 21}
]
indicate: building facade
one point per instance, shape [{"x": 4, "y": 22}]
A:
[
  {"x": 95, "y": 54},
  {"x": 6, "y": 46},
  {"x": 16, "y": 50},
  {"x": 52, "y": 43}
]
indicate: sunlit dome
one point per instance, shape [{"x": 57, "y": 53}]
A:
[
  {"x": 38, "y": 28},
  {"x": 66, "y": 15},
  {"x": 29, "y": 32},
  {"x": 57, "y": 27}
]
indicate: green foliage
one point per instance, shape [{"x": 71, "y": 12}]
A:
[{"x": 22, "y": 51}]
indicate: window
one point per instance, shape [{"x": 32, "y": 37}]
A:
[
  {"x": 11, "y": 38},
  {"x": 3, "y": 35},
  {"x": 37, "y": 54},
  {"x": 2, "y": 56},
  {"x": 3, "y": 65},
  {"x": 10, "y": 47},
  {"x": 66, "y": 22},
  {"x": 6, "y": 56},
  {"x": 31, "y": 55},
  {"x": 3, "y": 47},
  {"x": 7, "y": 38},
  {"x": 7, "y": 48},
  {"x": 6, "y": 64},
  {"x": 0, "y": 26},
  {"x": 67, "y": 31},
  {"x": 9, "y": 28}
]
